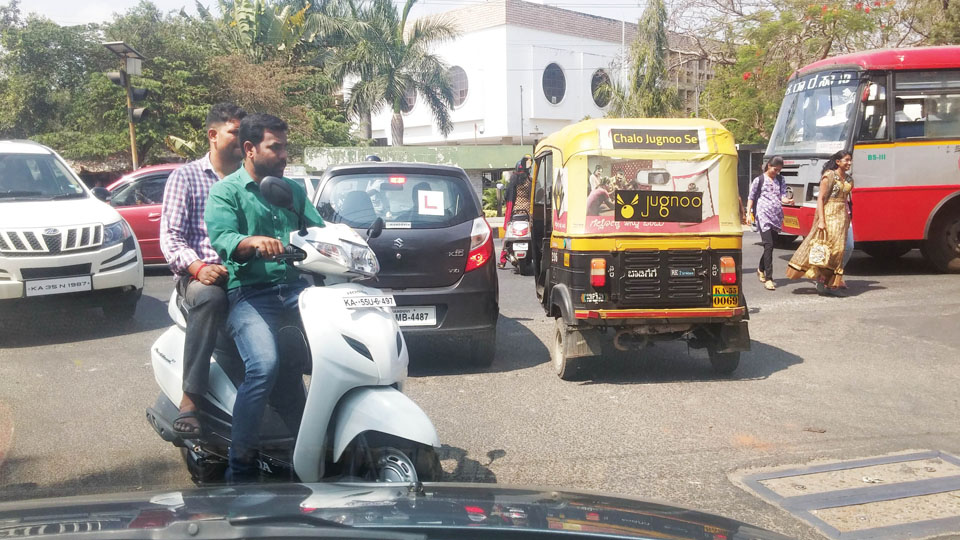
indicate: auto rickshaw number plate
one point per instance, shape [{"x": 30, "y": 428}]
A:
[
  {"x": 726, "y": 295},
  {"x": 791, "y": 221}
]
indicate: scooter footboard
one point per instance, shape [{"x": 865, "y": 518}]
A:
[{"x": 385, "y": 410}]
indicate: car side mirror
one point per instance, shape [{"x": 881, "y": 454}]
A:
[
  {"x": 102, "y": 193},
  {"x": 375, "y": 229}
]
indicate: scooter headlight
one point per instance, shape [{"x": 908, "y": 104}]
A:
[{"x": 357, "y": 258}]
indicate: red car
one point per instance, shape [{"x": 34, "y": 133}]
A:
[{"x": 138, "y": 197}]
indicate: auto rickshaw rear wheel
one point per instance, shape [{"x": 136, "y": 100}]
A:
[
  {"x": 724, "y": 363},
  {"x": 567, "y": 368}
]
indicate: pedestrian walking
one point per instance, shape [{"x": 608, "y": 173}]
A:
[
  {"x": 831, "y": 224},
  {"x": 768, "y": 194}
]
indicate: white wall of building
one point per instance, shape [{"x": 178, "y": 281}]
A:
[{"x": 498, "y": 61}]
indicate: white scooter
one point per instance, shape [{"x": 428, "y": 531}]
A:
[
  {"x": 357, "y": 425},
  {"x": 517, "y": 242}
]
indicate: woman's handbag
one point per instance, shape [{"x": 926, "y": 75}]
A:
[{"x": 819, "y": 250}]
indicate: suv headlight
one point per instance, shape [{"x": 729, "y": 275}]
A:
[
  {"x": 357, "y": 258},
  {"x": 116, "y": 233}
]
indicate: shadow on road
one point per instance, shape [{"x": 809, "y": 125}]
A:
[
  {"x": 674, "y": 362},
  {"x": 60, "y": 327},
  {"x": 517, "y": 348},
  {"x": 457, "y": 467},
  {"x": 128, "y": 478}
]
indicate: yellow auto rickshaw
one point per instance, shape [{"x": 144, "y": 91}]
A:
[{"x": 637, "y": 238}]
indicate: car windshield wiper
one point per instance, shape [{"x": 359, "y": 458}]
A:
[
  {"x": 68, "y": 196},
  {"x": 10, "y": 193}
]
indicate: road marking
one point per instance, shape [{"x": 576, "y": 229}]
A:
[{"x": 916, "y": 505}]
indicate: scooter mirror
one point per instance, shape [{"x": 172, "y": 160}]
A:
[
  {"x": 277, "y": 192},
  {"x": 375, "y": 229}
]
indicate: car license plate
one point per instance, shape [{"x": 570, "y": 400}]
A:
[
  {"x": 416, "y": 315},
  {"x": 791, "y": 221},
  {"x": 520, "y": 246},
  {"x": 43, "y": 287},
  {"x": 726, "y": 295},
  {"x": 357, "y": 302}
]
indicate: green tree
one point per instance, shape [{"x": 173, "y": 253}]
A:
[
  {"x": 41, "y": 63},
  {"x": 648, "y": 92},
  {"x": 392, "y": 58}
]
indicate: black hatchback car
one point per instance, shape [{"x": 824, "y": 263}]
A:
[{"x": 436, "y": 250}]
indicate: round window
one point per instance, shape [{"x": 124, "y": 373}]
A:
[
  {"x": 458, "y": 82},
  {"x": 554, "y": 84},
  {"x": 600, "y": 79},
  {"x": 409, "y": 100}
]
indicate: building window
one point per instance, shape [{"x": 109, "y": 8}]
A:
[
  {"x": 600, "y": 78},
  {"x": 458, "y": 82},
  {"x": 554, "y": 84},
  {"x": 409, "y": 100}
]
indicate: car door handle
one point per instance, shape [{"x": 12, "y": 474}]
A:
[{"x": 153, "y": 216}]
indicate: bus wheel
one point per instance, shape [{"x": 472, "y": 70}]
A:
[
  {"x": 724, "y": 363},
  {"x": 567, "y": 368},
  {"x": 942, "y": 247},
  {"x": 886, "y": 250}
]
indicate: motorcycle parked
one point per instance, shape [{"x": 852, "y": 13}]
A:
[
  {"x": 516, "y": 242},
  {"x": 357, "y": 425}
]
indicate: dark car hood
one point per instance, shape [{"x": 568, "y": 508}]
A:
[{"x": 392, "y": 506}]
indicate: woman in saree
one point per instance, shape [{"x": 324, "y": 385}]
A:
[{"x": 830, "y": 224}]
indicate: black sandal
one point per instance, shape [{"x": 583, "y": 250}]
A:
[{"x": 181, "y": 419}]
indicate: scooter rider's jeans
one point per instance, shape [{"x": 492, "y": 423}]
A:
[{"x": 256, "y": 314}]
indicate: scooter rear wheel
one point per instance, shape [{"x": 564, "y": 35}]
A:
[{"x": 203, "y": 471}]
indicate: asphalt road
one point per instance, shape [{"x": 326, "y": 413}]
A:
[{"x": 827, "y": 378}]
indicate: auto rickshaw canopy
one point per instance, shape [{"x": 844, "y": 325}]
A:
[{"x": 667, "y": 175}]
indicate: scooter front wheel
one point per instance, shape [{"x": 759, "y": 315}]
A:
[{"x": 380, "y": 458}]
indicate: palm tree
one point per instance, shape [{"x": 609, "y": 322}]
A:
[
  {"x": 392, "y": 60},
  {"x": 648, "y": 92}
]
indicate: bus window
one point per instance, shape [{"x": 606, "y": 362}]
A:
[
  {"x": 873, "y": 127},
  {"x": 927, "y": 80}
]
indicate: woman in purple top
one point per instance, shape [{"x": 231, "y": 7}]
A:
[{"x": 769, "y": 192}]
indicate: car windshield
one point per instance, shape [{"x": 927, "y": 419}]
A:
[
  {"x": 36, "y": 176},
  {"x": 816, "y": 116},
  {"x": 403, "y": 200}
]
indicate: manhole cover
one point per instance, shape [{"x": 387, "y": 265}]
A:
[{"x": 904, "y": 496}]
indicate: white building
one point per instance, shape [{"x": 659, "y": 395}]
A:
[{"x": 521, "y": 70}]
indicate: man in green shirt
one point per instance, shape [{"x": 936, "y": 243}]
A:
[{"x": 262, "y": 293}]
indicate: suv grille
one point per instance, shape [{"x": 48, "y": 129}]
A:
[
  {"x": 663, "y": 278},
  {"x": 51, "y": 241}
]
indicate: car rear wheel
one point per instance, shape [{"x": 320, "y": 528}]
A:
[
  {"x": 567, "y": 368},
  {"x": 483, "y": 348}
]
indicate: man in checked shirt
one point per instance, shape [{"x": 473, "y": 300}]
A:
[{"x": 186, "y": 246}]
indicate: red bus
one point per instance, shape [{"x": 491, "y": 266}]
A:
[{"x": 906, "y": 171}]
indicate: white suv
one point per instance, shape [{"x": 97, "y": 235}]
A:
[{"x": 59, "y": 245}]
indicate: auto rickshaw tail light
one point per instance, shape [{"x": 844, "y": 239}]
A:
[
  {"x": 728, "y": 270},
  {"x": 481, "y": 245},
  {"x": 598, "y": 272}
]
